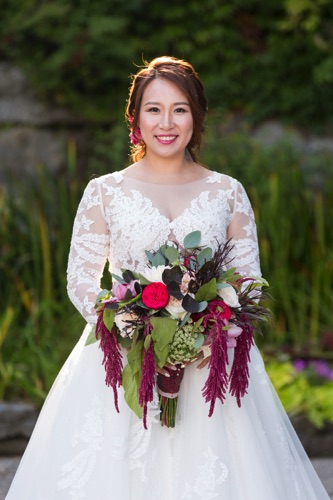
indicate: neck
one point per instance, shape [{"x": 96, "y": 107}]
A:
[{"x": 166, "y": 167}]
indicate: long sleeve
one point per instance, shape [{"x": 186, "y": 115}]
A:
[
  {"x": 89, "y": 251},
  {"x": 242, "y": 229}
]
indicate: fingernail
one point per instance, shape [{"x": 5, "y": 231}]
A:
[{"x": 167, "y": 374}]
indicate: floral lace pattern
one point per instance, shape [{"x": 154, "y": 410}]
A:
[
  {"x": 290, "y": 464},
  {"x": 76, "y": 473},
  {"x": 210, "y": 475},
  {"x": 117, "y": 220}
]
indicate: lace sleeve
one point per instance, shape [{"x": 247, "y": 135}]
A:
[
  {"x": 242, "y": 229},
  {"x": 88, "y": 252}
]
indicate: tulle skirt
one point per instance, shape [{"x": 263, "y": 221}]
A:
[{"x": 82, "y": 448}]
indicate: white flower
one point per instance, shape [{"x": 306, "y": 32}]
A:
[
  {"x": 126, "y": 329},
  {"x": 229, "y": 295},
  {"x": 155, "y": 273},
  {"x": 175, "y": 308}
]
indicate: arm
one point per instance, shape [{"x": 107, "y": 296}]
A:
[
  {"x": 88, "y": 252},
  {"x": 242, "y": 229}
]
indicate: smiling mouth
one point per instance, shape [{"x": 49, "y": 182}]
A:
[{"x": 166, "y": 139}]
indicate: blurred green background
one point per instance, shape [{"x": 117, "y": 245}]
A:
[{"x": 259, "y": 61}]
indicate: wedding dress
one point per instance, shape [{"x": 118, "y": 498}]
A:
[{"x": 82, "y": 448}]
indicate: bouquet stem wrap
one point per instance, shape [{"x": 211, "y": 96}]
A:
[{"x": 168, "y": 388}]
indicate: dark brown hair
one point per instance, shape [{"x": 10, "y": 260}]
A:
[{"x": 179, "y": 73}]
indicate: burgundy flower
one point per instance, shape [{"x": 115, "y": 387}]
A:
[
  {"x": 188, "y": 259},
  {"x": 155, "y": 295},
  {"x": 220, "y": 309}
]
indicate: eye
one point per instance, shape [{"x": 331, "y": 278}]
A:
[
  {"x": 153, "y": 110},
  {"x": 180, "y": 110}
]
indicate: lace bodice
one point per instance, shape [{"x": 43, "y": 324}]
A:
[{"x": 119, "y": 218}]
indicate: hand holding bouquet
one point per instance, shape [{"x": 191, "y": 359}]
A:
[{"x": 186, "y": 302}]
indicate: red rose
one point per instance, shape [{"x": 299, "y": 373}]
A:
[
  {"x": 219, "y": 308},
  {"x": 155, "y": 295}
]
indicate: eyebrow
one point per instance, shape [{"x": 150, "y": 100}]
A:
[{"x": 175, "y": 103}]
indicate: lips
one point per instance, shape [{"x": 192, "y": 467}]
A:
[{"x": 166, "y": 139}]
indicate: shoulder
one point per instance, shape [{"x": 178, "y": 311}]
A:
[
  {"x": 103, "y": 184},
  {"x": 113, "y": 179},
  {"x": 226, "y": 182}
]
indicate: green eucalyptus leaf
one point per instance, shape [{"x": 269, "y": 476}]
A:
[
  {"x": 131, "y": 384},
  {"x": 162, "y": 249},
  {"x": 172, "y": 254},
  {"x": 199, "y": 341},
  {"x": 202, "y": 305},
  {"x": 192, "y": 240},
  {"x": 103, "y": 294},
  {"x": 118, "y": 278},
  {"x": 158, "y": 260},
  {"x": 149, "y": 255},
  {"x": 185, "y": 319},
  {"x": 143, "y": 280},
  {"x": 204, "y": 256},
  {"x": 91, "y": 339},
  {"x": 108, "y": 318},
  {"x": 207, "y": 291}
]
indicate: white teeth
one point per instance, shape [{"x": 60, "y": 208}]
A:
[{"x": 166, "y": 137}]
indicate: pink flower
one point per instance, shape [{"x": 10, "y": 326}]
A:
[
  {"x": 135, "y": 136},
  {"x": 119, "y": 290},
  {"x": 233, "y": 332}
]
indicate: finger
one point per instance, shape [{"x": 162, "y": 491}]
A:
[
  {"x": 162, "y": 371},
  {"x": 203, "y": 363}
]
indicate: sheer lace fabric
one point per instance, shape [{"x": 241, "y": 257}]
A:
[
  {"x": 119, "y": 218},
  {"x": 82, "y": 448}
]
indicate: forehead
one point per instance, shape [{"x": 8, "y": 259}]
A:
[{"x": 161, "y": 90}]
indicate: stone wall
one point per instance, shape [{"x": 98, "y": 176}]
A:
[{"x": 32, "y": 132}]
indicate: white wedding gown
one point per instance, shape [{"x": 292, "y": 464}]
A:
[{"x": 82, "y": 448}]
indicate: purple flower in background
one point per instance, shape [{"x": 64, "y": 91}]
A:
[
  {"x": 322, "y": 369},
  {"x": 299, "y": 365}
]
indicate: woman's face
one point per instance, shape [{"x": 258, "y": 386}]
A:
[{"x": 165, "y": 119}]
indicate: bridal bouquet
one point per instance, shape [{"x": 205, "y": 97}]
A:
[{"x": 186, "y": 303}]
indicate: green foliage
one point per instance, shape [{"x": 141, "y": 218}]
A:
[
  {"x": 294, "y": 218},
  {"x": 294, "y": 213},
  {"x": 300, "y": 394},
  {"x": 38, "y": 323},
  {"x": 261, "y": 58}
]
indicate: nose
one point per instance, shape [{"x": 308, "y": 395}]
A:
[{"x": 166, "y": 121}]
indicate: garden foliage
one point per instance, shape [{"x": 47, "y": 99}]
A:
[{"x": 263, "y": 58}]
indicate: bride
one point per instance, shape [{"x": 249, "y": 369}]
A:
[{"x": 81, "y": 447}]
